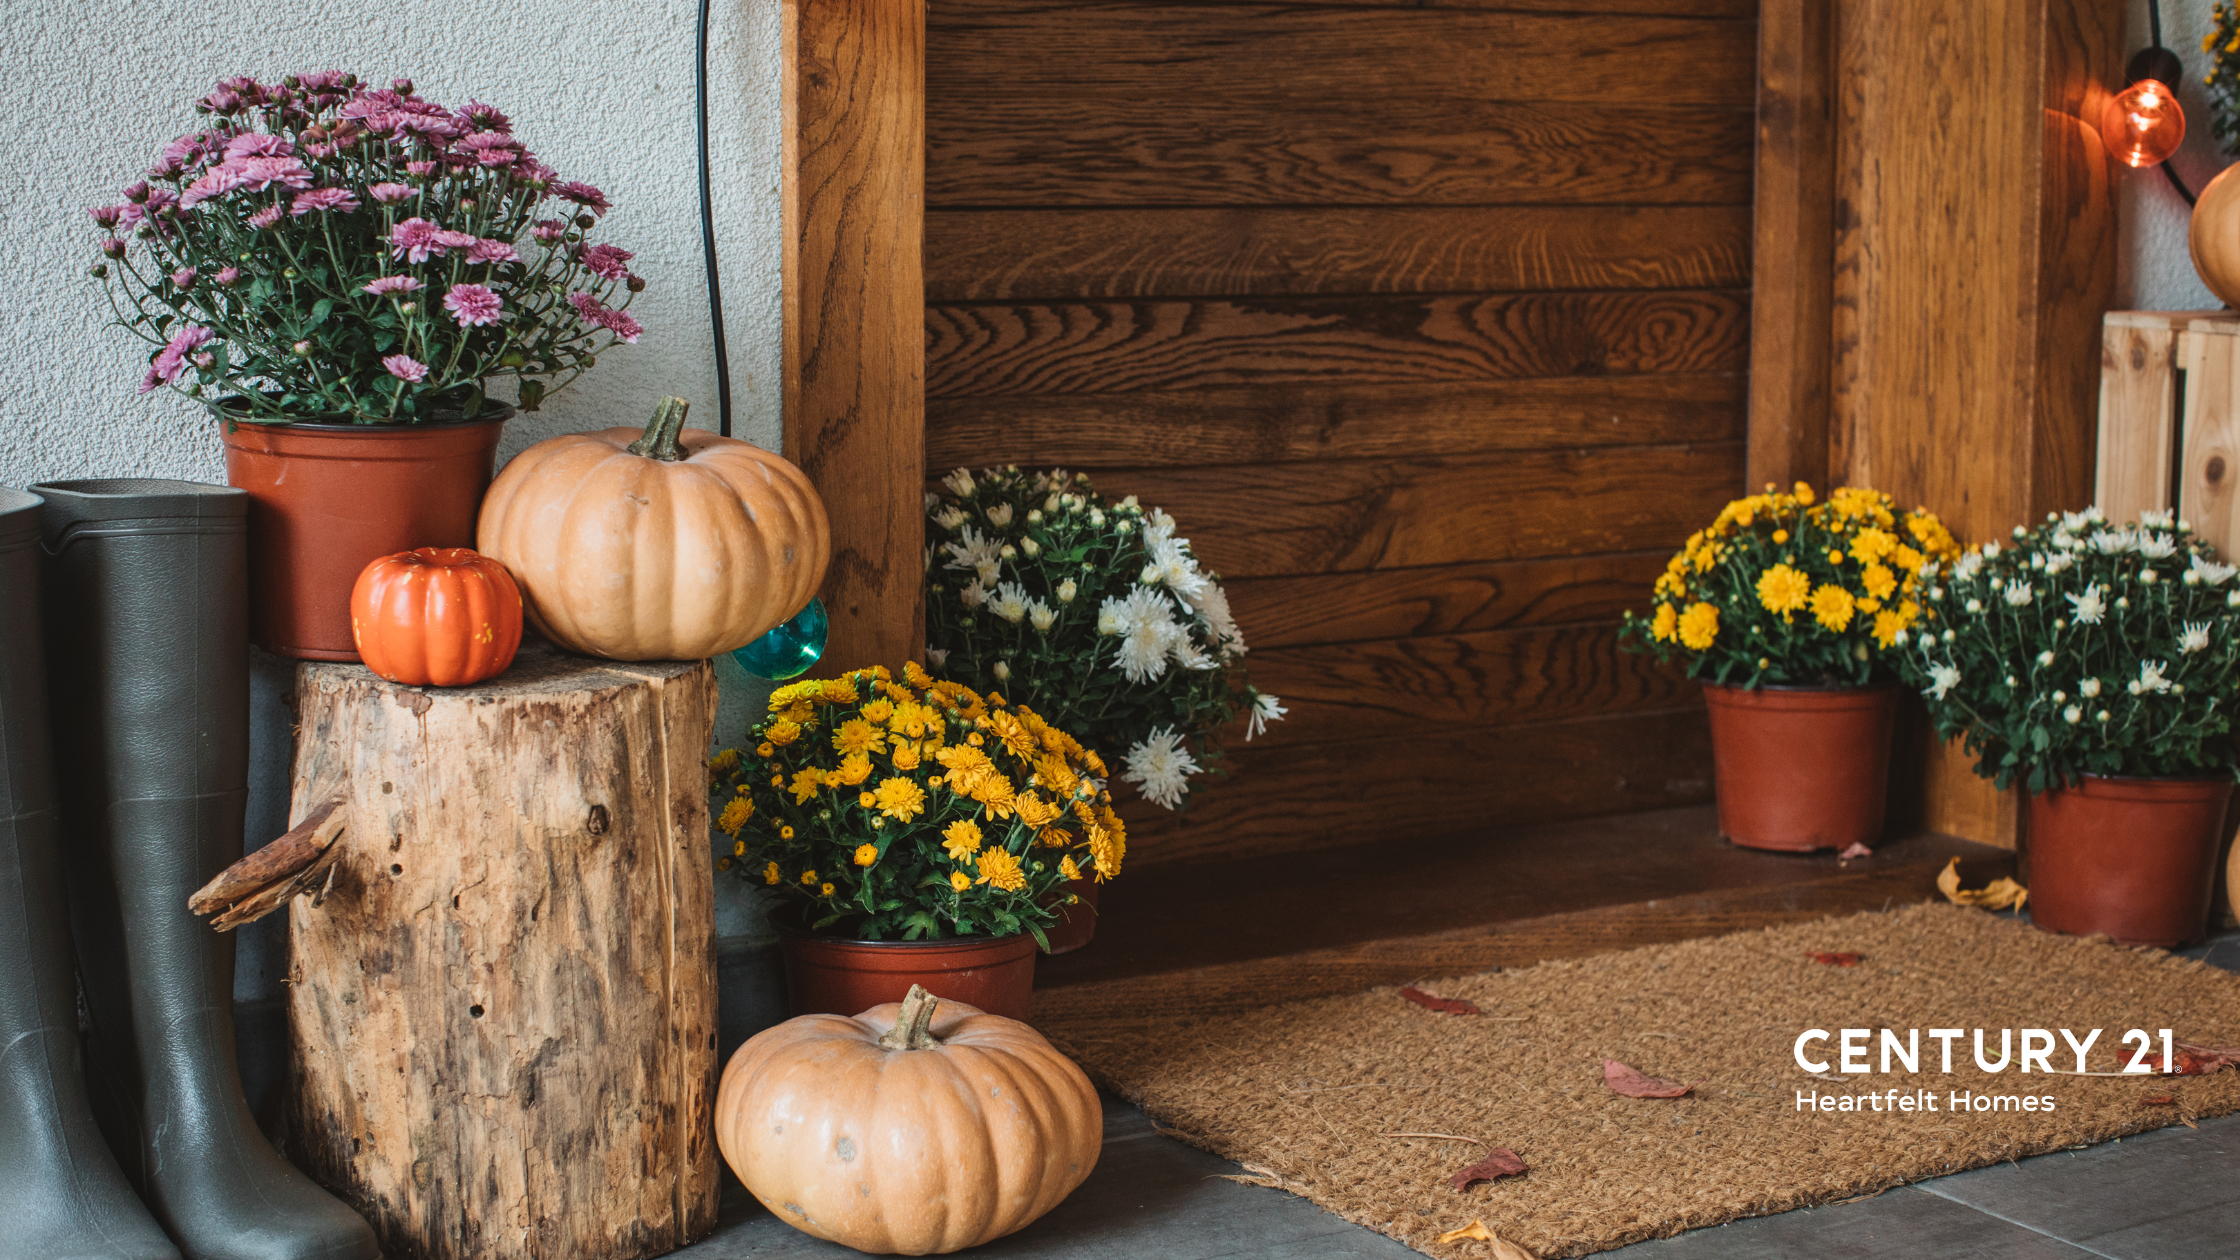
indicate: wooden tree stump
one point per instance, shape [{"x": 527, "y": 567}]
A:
[{"x": 503, "y": 1012}]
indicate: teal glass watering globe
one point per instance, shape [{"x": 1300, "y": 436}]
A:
[{"x": 789, "y": 650}]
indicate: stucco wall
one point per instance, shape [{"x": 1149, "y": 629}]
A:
[{"x": 2153, "y": 270}]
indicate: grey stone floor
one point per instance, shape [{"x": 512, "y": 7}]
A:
[{"x": 2173, "y": 1194}]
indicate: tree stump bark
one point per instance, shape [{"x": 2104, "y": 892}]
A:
[{"x": 503, "y": 1011}]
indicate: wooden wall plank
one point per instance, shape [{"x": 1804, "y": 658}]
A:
[
  {"x": 1293, "y": 799},
  {"x": 1793, "y": 258},
  {"x": 1268, "y": 520},
  {"x": 1423, "y": 152},
  {"x": 1440, "y": 599},
  {"x": 2209, "y": 471},
  {"x": 1743, "y": 9},
  {"x": 1111, "y": 347},
  {"x": 2138, "y": 417},
  {"x": 853, "y": 100},
  {"x": 1044, "y": 255},
  {"x": 1219, "y": 57},
  {"x": 1286, "y": 423}
]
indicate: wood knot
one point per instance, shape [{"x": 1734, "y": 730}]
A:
[
  {"x": 598, "y": 821},
  {"x": 2215, "y": 470}
]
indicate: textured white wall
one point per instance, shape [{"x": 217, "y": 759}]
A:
[
  {"x": 600, "y": 89},
  {"x": 2153, "y": 270}
]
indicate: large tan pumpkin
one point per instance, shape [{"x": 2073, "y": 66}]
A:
[
  {"x": 918, "y": 1127},
  {"x": 673, "y": 544},
  {"x": 2214, "y": 236}
]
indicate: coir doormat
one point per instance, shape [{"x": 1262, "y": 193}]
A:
[{"x": 1330, "y": 1098}]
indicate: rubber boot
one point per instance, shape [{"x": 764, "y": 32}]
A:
[
  {"x": 147, "y": 643},
  {"x": 61, "y": 1195}
]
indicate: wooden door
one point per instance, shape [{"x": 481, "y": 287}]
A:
[{"x": 1427, "y": 321}]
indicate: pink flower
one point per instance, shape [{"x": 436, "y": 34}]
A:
[
  {"x": 414, "y": 240},
  {"x": 184, "y": 152},
  {"x": 491, "y": 148},
  {"x": 164, "y": 369},
  {"x": 621, "y": 325},
  {"x": 136, "y": 193},
  {"x": 588, "y": 308},
  {"x": 584, "y": 195},
  {"x": 159, "y": 198},
  {"x": 549, "y": 230},
  {"x": 483, "y": 117},
  {"x": 390, "y": 194},
  {"x": 265, "y": 218},
  {"x": 337, "y": 199},
  {"x": 251, "y": 144},
  {"x": 260, "y": 173},
  {"x": 488, "y": 251},
  {"x": 472, "y": 304},
  {"x": 422, "y": 169},
  {"x": 606, "y": 261},
  {"x": 215, "y": 182},
  {"x": 183, "y": 277},
  {"x": 205, "y": 360},
  {"x": 228, "y": 277},
  {"x": 391, "y": 284},
  {"x": 448, "y": 239},
  {"x": 406, "y": 368},
  {"x": 106, "y": 216}
]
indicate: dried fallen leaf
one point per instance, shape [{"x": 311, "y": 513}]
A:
[
  {"x": 1857, "y": 850},
  {"x": 1476, "y": 1231},
  {"x": 1633, "y": 1084},
  {"x": 1999, "y": 894},
  {"x": 2202, "y": 1060},
  {"x": 1444, "y": 1005},
  {"x": 1846, "y": 959},
  {"x": 2157, "y": 1100},
  {"x": 1499, "y": 1162}
]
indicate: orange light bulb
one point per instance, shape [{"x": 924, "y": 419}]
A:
[{"x": 2143, "y": 124}]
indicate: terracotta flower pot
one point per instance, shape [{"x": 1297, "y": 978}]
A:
[
  {"x": 1076, "y": 923},
  {"x": 2134, "y": 858},
  {"x": 327, "y": 499},
  {"x": 1799, "y": 769},
  {"x": 830, "y": 976}
]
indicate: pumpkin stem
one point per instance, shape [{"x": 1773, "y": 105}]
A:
[
  {"x": 912, "y": 1024},
  {"x": 660, "y": 441}
]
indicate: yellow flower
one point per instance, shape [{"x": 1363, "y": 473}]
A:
[
  {"x": 1781, "y": 589},
  {"x": 795, "y": 693},
  {"x": 959, "y": 880},
  {"x": 905, "y": 756},
  {"x": 1016, "y": 736},
  {"x": 960, "y": 838},
  {"x": 1803, "y": 492},
  {"x": 1781, "y": 535},
  {"x": 785, "y": 831},
  {"x": 1054, "y": 838},
  {"x": 915, "y": 674},
  {"x": 735, "y": 814},
  {"x": 1068, "y": 869},
  {"x": 878, "y": 711},
  {"x": 867, "y": 800},
  {"x": 1832, "y": 607},
  {"x": 838, "y": 691},
  {"x": 1872, "y": 545},
  {"x": 1661, "y": 627},
  {"x": 770, "y": 873},
  {"x": 1698, "y": 627},
  {"x": 739, "y": 848},
  {"x": 994, "y": 792},
  {"x": 1878, "y": 580},
  {"x": 723, "y": 864},
  {"x": 805, "y": 785},
  {"x": 808, "y": 877},
  {"x": 783, "y": 732},
  {"x": 998, "y": 867},
  {"x": 1057, "y": 776},
  {"x": 866, "y": 854},
  {"x": 726, "y": 760},
  {"x": 1835, "y": 557},
  {"x": 765, "y": 749},
  {"x": 1036, "y": 812},
  {"x": 1887, "y": 624},
  {"x": 1095, "y": 763},
  {"x": 854, "y": 769},
  {"x": 825, "y": 890},
  {"x": 858, "y": 736},
  {"x": 802, "y": 713},
  {"x": 911, "y": 720},
  {"x": 966, "y": 766},
  {"x": 901, "y": 798},
  {"x": 1906, "y": 558}
]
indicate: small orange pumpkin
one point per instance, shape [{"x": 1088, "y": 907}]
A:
[
  {"x": 440, "y": 616},
  {"x": 666, "y": 545},
  {"x": 903, "y": 1132}
]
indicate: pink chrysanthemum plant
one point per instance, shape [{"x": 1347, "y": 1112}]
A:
[{"x": 328, "y": 251}]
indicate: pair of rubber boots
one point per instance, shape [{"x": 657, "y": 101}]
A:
[{"x": 123, "y": 778}]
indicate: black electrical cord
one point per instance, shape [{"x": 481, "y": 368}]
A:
[
  {"x": 708, "y": 236},
  {"x": 2140, "y": 68},
  {"x": 2177, "y": 183}
]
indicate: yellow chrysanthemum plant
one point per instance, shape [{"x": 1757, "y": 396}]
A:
[
  {"x": 1788, "y": 590},
  {"x": 911, "y": 809}
]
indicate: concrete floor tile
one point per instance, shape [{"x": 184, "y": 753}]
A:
[{"x": 1902, "y": 1224}]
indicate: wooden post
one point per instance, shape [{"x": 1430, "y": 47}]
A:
[
  {"x": 854, "y": 191},
  {"x": 1793, "y": 245},
  {"x": 503, "y": 1009}
]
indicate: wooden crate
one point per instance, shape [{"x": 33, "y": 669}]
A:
[{"x": 2170, "y": 419}]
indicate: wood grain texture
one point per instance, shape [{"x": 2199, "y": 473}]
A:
[
  {"x": 503, "y": 1015},
  {"x": 2138, "y": 418},
  {"x": 1289, "y": 423},
  {"x": 1219, "y": 56},
  {"x": 1122, "y": 151},
  {"x": 1116, "y": 346},
  {"x": 853, "y": 104},
  {"x": 1793, "y": 254},
  {"x": 1046, "y": 255},
  {"x": 1273, "y": 520},
  {"x": 2209, "y": 465},
  {"x": 1299, "y": 799},
  {"x": 1440, "y": 599},
  {"x": 1637, "y": 8}
]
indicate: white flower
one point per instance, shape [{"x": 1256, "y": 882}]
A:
[
  {"x": 1096, "y": 517},
  {"x": 2089, "y": 688},
  {"x": 1053, "y": 503},
  {"x": 1264, "y": 710},
  {"x": 1942, "y": 679},
  {"x": 1975, "y": 605},
  {"x": 2160, "y": 520},
  {"x": 2122, "y": 602},
  {"x": 1965, "y": 567},
  {"x": 1041, "y": 615},
  {"x": 2045, "y": 657},
  {"x": 2110, "y": 542},
  {"x": 1002, "y": 671},
  {"x": 1145, "y": 646},
  {"x": 2089, "y": 606},
  {"x": 1031, "y": 547},
  {"x": 1901, "y": 637},
  {"x": 1010, "y": 602},
  {"x": 987, "y": 570},
  {"x": 2233, "y": 600},
  {"x": 2074, "y": 521},
  {"x": 2149, "y": 576},
  {"x": 1066, "y": 591},
  {"x": 1009, "y": 552},
  {"x": 1157, "y": 525},
  {"x": 2072, "y": 715},
  {"x": 999, "y": 515},
  {"x": 2211, "y": 572},
  {"x": 1212, "y": 604},
  {"x": 1990, "y": 550},
  {"x": 2059, "y": 563},
  {"x": 936, "y": 657},
  {"x": 1160, "y": 767},
  {"x": 973, "y": 552},
  {"x": 2150, "y": 678},
  {"x": 951, "y": 517},
  {"x": 1034, "y": 516},
  {"x": 1112, "y": 616},
  {"x": 1131, "y": 502},
  {"x": 960, "y": 482},
  {"x": 2020, "y": 533},
  {"x": 2101, "y": 716},
  {"x": 973, "y": 596},
  {"x": 2018, "y": 593},
  {"x": 2195, "y": 638},
  {"x": 2059, "y": 696},
  {"x": 1188, "y": 654},
  {"x": 1123, "y": 529}
]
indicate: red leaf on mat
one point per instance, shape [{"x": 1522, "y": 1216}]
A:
[
  {"x": 1633, "y": 1084},
  {"x": 2157, "y": 1100},
  {"x": 1444, "y": 1005},
  {"x": 1858, "y": 849},
  {"x": 1502, "y": 1162},
  {"x": 2202, "y": 1060},
  {"x": 1835, "y": 960}
]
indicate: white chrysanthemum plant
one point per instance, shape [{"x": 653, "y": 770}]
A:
[
  {"x": 1095, "y": 615},
  {"x": 2084, "y": 647}
]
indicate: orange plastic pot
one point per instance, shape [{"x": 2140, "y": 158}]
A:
[
  {"x": 2133, "y": 858},
  {"x": 831, "y": 976},
  {"x": 1798, "y": 769},
  {"x": 327, "y": 499},
  {"x": 1076, "y": 923}
]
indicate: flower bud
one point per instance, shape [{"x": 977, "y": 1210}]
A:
[
  {"x": 408, "y": 307},
  {"x": 585, "y": 221},
  {"x": 301, "y": 349},
  {"x": 137, "y": 193},
  {"x": 403, "y": 87},
  {"x": 99, "y": 271},
  {"x": 635, "y": 284},
  {"x": 113, "y": 247},
  {"x": 288, "y": 273},
  {"x": 1002, "y": 672}
]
